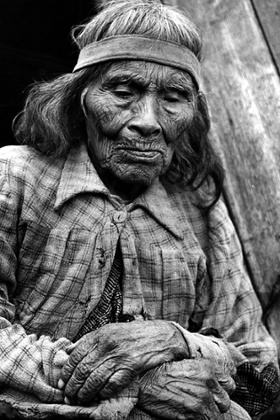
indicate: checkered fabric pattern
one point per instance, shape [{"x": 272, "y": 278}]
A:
[
  {"x": 59, "y": 229},
  {"x": 254, "y": 390}
]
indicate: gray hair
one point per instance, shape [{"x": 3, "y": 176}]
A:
[{"x": 149, "y": 18}]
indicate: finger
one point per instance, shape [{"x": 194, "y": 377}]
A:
[
  {"x": 70, "y": 366},
  {"x": 228, "y": 384},
  {"x": 89, "y": 376},
  {"x": 119, "y": 380},
  {"x": 75, "y": 359},
  {"x": 220, "y": 396},
  {"x": 67, "y": 401},
  {"x": 79, "y": 375},
  {"x": 72, "y": 347},
  {"x": 105, "y": 382},
  {"x": 60, "y": 384}
]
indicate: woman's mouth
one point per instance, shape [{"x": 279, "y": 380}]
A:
[{"x": 142, "y": 155}]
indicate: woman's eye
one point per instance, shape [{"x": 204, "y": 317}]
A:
[
  {"x": 123, "y": 93},
  {"x": 176, "y": 96},
  {"x": 171, "y": 98}
]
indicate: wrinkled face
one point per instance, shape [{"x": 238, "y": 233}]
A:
[{"x": 135, "y": 114}]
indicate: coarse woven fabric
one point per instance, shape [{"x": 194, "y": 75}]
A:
[
  {"x": 254, "y": 390},
  {"x": 59, "y": 228},
  {"x": 135, "y": 47}
]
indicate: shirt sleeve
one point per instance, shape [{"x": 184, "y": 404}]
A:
[
  {"x": 233, "y": 309},
  {"x": 27, "y": 363}
]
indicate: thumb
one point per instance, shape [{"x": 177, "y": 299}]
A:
[{"x": 220, "y": 396}]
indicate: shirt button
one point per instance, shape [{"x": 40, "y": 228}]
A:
[{"x": 119, "y": 216}]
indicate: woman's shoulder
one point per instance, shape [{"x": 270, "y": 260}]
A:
[
  {"x": 15, "y": 152},
  {"x": 20, "y": 154},
  {"x": 192, "y": 206},
  {"x": 21, "y": 161},
  {"x": 17, "y": 157}
]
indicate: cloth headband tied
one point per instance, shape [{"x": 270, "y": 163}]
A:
[{"x": 133, "y": 47}]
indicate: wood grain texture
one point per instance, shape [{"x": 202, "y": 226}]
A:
[
  {"x": 243, "y": 89},
  {"x": 268, "y": 13},
  {"x": 242, "y": 44}
]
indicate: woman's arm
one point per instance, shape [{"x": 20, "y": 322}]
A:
[{"x": 28, "y": 363}]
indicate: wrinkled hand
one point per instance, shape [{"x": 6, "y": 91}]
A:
[
  {"x": 223, "y": 355},
  {"x": 184, "y": 390},
  {"x": 105, "y": 361}
]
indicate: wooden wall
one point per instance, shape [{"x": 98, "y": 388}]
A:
[{"x": 241, "y": 78}]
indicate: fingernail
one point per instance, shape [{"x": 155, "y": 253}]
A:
[
  {"x": 60, "y": 384},
  {"x": 71, "y": 348},
  {"x": 67, "y": 401}
]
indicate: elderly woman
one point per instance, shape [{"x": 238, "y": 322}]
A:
[{"x": 123, "y": 291}]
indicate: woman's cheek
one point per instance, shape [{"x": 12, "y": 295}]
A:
[
  {"x": 112, "y": 119},
  {"x": 103, "y": 111},
  {"x": 175, "y": 127}
]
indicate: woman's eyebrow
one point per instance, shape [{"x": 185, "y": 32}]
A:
[
  {"x": 177, "y": 85},
  {"x": 181, "y": 82},
  {"x": 177, "y": 82},
  {"x": 115, "y": 79}
]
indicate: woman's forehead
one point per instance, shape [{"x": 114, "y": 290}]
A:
[{"x": 144, "y": 71}]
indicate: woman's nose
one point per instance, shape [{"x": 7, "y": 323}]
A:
[{"x": 145, "y": 119}]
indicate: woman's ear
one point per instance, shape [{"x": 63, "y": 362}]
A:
[{"x": 82, "y": 101}]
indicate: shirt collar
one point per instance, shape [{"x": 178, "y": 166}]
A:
[
  {"x": 80, "y": 176},
  {"x": 156, "y": 201}
]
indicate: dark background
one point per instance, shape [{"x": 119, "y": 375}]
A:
[{"x": 35, "y": 44}]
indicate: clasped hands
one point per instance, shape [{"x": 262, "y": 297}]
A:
[{"x": 154, "y": 359}]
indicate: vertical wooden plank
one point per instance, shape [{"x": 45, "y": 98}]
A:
[
  {"x": 268, "y": 13},
  {"x": 244, "y": 94}
]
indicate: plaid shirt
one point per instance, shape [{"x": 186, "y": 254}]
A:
[{"x": 59, "y": 228}]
